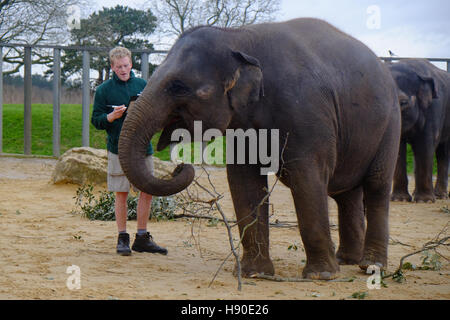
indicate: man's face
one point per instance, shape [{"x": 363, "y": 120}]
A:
[{"x": 122, "y": 68}]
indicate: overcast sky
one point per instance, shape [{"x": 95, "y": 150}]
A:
[{"x": 409, "y": 28}]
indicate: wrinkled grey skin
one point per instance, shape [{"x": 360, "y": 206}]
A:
[
  {"x": 424, "y": 96},
  {"x": 326, "y": 91}
]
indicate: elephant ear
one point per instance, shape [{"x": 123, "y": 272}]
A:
[
  {"x": 427, "y": 90},
  {"x": 245, "y": 86}
]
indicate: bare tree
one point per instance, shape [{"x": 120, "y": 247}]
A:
[
  {"x": 33, "y": 22},
  {"x": 176, "y": 16}
]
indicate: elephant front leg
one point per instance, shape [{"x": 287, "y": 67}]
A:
[
  {"x": 400, "y": 188},
  {"x": 423, "y": 157},
  {"x": 443, "y": 158},
  {"x": 248, "y": 189}
]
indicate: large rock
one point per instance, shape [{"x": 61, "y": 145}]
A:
[
  {"x": 81, "y": 165},
  {"x": 89, "y": 165}
]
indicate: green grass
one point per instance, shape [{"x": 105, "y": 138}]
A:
[
  {"x": 71, "y": 131},
  {"x": 409, "y": 159},
  {"x": 42, "y": 127}
]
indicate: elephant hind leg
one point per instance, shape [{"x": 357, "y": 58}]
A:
[
  {"x": 377, "y": 188},
  {"x": 351, "y": 226},
  {"x": 443, "y": 158},
  {"x": 375, "y": 250}
]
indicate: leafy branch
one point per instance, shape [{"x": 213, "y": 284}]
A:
[
  {"x": 102, "y": 207},
  {"x": 429, "y": 261}
]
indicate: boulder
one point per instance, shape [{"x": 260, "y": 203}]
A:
[
  {"x": 81, "y": 165},
  {"x": 89, "y": 165}
]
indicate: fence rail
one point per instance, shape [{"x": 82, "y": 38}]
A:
[
  {"x": 447, "y": 60},
  {"x": 56, "y": 140},
  {"x": 145, "y": 54}
]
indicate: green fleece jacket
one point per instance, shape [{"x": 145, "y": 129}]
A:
[{"x": 115, "y": 92}]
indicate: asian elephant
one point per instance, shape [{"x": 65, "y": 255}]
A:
[
  {"x": 336, "y": 108},
  {"x": 424, "y": 96}
]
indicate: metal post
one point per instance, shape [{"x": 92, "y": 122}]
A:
[
  {"x": 86, "y": 100},
  {"x": 144, "y": 65},
  {"x": 27, "y": 101},
  {"x": 56, "y": 102},
  {"x": 448, "y": 66},
  {"x": 1, "y": 99}
]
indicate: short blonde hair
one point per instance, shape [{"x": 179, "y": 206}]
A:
[{"x": 118, "y": 53}]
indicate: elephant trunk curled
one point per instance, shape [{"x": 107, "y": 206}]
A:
[{"x": 141, "y": 123}]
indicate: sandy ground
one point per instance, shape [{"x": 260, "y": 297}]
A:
[{"x": 40, "y": 237}]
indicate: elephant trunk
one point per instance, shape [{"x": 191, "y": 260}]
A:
[{"x": 142, "y": 122}]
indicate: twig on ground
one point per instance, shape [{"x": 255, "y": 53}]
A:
[
  {"x": 394, "y": 242},
  {"x": 191, "y": 214},
  {"x": 430, "y": 245},
  {"x": 31, "y": 237},
  {"x": 283, "y": 279}
]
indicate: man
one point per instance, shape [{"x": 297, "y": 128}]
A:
[{"x": 111, "y": 101}]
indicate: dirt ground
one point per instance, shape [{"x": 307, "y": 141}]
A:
[{"x": 40, "y": 238}]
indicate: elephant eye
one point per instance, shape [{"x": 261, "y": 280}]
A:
[
  {"x": 403, "y": 103},
  {"x": 178, "y": 88}
]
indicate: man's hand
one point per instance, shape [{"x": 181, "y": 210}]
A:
[{"x": 117, "y": 113}]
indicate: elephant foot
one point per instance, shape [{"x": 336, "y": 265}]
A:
[
  {"x": 324, "y": 275},
  {"x": 424, "y": 198},
  {"x": 347, "y": 258},
  {"x": 373, "y": 259},
  {"x": 401, "y": 196},
  {"x": 252, "y": 266},
  {"x": 321, "y": 271},
  {"x": 440, "y": 194}
]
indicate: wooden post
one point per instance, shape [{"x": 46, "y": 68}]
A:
[
  {"x": 27, "y": 101},
  {"x": 56, "y": 102},
  {"x": 86, "y": 99},
  {"x": 144, "y": 65},
  {"x": 1, "y": 99}
]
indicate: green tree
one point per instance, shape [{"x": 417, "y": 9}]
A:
[{"x": 110, "y": 27}]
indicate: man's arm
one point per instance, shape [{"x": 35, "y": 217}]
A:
[{"x": 100, "y": 112}]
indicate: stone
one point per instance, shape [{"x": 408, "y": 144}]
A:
[{"x": 81, "y": 165}]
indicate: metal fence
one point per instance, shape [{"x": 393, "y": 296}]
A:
[
  {"x": 446, "y": 60},
  {"x": 145, "y": 53}
]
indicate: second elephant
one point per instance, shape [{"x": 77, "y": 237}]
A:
[{"x": 424, "y": 96}]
